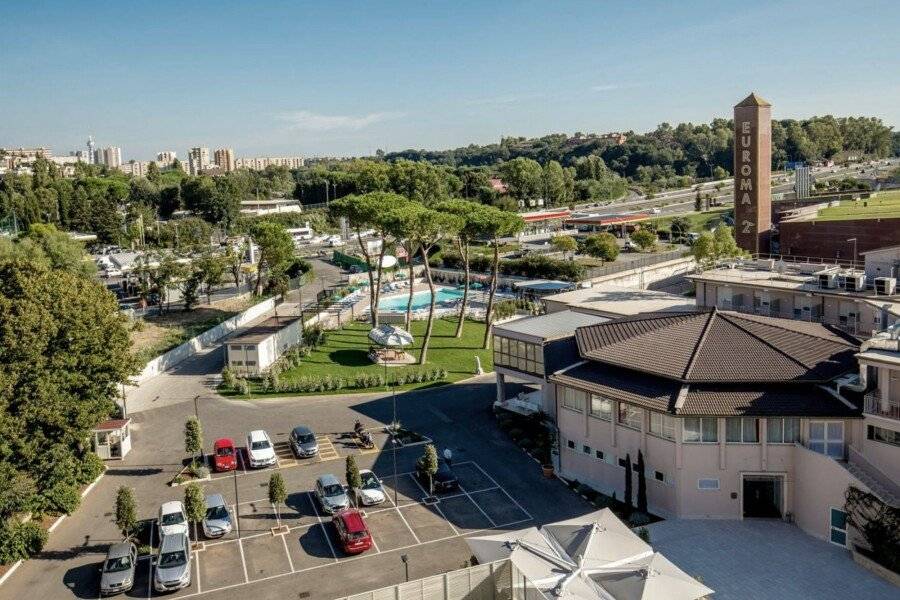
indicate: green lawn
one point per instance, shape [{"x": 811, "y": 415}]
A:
[
  {"x": 345, "y": 355},
  {"x": 699, "y": 221},
  {"x": 884, "y": 205}
]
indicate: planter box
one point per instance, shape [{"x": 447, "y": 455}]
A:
[{"x": 870, "y": 565}]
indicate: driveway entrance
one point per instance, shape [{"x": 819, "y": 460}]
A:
[{"x": 763, "y": 496}]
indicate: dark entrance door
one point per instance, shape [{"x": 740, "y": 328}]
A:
[{"x": 762, "y": 497}]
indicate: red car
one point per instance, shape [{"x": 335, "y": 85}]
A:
[
  {"x": 352, "y": 530},
  {"x": 224, "y": 455}
]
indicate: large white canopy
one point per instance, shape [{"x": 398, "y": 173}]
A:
[
  {"x": 390, "y": 336},
  {"x": 591, "y": 557}
]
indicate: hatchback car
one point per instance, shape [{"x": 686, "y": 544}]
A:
[
  {"x": 173, "y": 564},
  {"x": 224, "y": 455},
  {"x": 371, "y": 492},
  {"x": 330, "y": 494},
  {"x": 303, "y": 442},
  {"x": 117, "y": 572},
  {"x": 260, "y": 450},
  {"x": 172, "y": 519},
  {"x": 352, "y": 531},
  {"x": 443, "y": 480},
  {"x": 217, "y": 521}
]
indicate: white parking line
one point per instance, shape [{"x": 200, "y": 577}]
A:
[
  {"x": 399, "y": 512},
  {"x": 478, "y": 506},
  {"x": 437, "y": 506},
  {"x": 355, "y": 558},
  {"x": 324, "y": 530},
  {"x": 508, "y": 495},
  {"x": 287, "y": 552},
  {"x": 243, "y": 561},
  {"x": 197, "y": 562}
]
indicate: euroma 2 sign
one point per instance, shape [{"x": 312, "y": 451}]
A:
[{"x": 753, "y": 173}]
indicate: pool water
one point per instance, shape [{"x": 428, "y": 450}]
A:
[{"x": 420, "y": 300}]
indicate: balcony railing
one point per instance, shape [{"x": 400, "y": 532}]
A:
[{"x": 874, "y": 406}]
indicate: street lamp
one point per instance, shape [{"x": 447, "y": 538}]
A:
[
  {"x": 405, "y": 559},
  {"x": 854, "y": 249}
]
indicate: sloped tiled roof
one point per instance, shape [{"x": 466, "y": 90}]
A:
[
  {"x": 620, "y": 384},
  {"x": 764, "y": 401},
  {"x": 712, "y": 346}
]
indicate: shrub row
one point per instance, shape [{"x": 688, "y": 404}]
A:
[
  {"x": 535, "y": 266},
  {"x": 328, "y": 383}
]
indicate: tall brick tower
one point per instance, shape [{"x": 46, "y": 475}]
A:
[{"x": 753, "y": 174}]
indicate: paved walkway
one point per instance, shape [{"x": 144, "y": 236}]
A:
[{"x": 763, "y": 560}]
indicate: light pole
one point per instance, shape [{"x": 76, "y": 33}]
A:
[{"x": 405, "y": 559}]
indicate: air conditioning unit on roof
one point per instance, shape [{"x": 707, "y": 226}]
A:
[
  {"x": 827, "y": 280},
  {"x": 852, "y": 281},
  {"x": 885, "y": 286}
]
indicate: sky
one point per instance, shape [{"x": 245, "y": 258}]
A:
[{"x": 346, "y": 78}]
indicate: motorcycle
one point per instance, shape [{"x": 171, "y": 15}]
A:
[{"x": 365, "y": 440}]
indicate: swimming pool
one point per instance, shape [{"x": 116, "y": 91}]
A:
[{"x": 420, "y": 300}]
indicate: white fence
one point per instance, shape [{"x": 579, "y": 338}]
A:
[{"x": 194, "y": 345}]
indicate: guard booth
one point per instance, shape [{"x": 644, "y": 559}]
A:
[{"x": 112, "y": 439}]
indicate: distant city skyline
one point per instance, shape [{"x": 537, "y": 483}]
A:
[{"x": 338, "y": 79}]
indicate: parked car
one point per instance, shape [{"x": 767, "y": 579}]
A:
[
  {"x": 173, "y": 564},
  {"x": 444, "y": 480},
  {"x": 260, "y": 450},
  {"x": 218, "y": 520},
  {"x": 172, "y": 519},
  {"x": 630, "y": 246},
  {"x": 352, "y": 531},
  {"x": 371, "y": 492},
  {"x": 117, "y": 573},
  {"x": 224, "y": 455},
  {"x": 330, "y": 494},
  {"x": 303, "y": 442}
]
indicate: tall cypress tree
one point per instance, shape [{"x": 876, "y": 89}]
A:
[
  {"x": 628, "y": 493},
  {"x": 642, "y": 485}
]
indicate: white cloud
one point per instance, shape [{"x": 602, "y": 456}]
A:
[
  {"x": 608, "y": 87},
  {"x": 305, "y": 120}
]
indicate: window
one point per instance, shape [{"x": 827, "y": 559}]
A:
[
  {"x": 708, "y": 484},
  {"x": 783, "y": 430},
  {"x": 662, "y": 425},
  {"x": 630, "y": 416},
  {"x": 880, "y": 434},
  {"x": 238, "y": 363},
  {"x": 586, "y": 449},
  {"x": 251, "y": 363},
  {"x": 659, "y": 476},
  {"x": 598, "y": 454},
  {"x": 838, "y": 523},
  {"x": 571, "y": 444},
  {"x": 601, "y": 408},
  {"x": 701, "y": 430},
  {"x": 827, "y": 437},
  {"x": 623, "y": 463},
  {"x": 741, "y": 430},
  {"x": 519, "y": 355},
  {"x": 573, "y": 399}
]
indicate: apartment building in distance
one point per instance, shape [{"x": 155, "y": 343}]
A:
[
  {"x": 859, "y": 299},
  {"x": 736, "y": 416},
  {"x": 260, "y": 163},
  {"x": 198, "y": 160},
  {"x": 166, "y": 158},
  {"x": 224, "y": 158}
]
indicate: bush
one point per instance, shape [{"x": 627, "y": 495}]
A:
[
  {"x": 228, "y": 378},
  {"x": 62, "y": 498},
  {"x": 536, "y": 266},
  {"x": 198, "y": 470},
  {"x": 20, "y": 540},
  {"x": 90, "y": 468},
  {"x": 639, "y": 519},
  {"x": 644, "y": 534}
]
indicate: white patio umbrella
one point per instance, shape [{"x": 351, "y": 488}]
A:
[
  {"x": 650, "y": 578},
  {"x": 390, "y": 336}
]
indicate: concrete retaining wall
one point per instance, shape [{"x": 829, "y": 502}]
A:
[
  {"x": 641, "y": 277},
  {"x": 174, "y": 356}
]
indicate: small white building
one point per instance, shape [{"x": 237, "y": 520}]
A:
[{"x": 257, "y": 348}]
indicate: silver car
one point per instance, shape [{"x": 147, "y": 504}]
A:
[
  {"x": 117, "y": 573},
  {"x": 303, "y": 442},
  {"x": 331, "y": 494},
  {"x": 218, "y": 520},
  {"x": 173, "y": 564}
]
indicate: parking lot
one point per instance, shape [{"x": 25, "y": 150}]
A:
[{"x": 299, "y": 538}]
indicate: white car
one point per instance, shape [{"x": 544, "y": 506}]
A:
[
  {"x": 371, "y": 492},
  {"x": 260, "y": 450},
  {"x": 172, "y": 519}
]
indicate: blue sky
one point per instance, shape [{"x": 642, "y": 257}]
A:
[{"x": 324, "y": 78}]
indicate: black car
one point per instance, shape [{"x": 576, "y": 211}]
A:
[{"x": 444, "y": 480}]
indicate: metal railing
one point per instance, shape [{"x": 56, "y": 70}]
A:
[
  {"x": 874, "y": 406},
  {"x": 644, "y": 261}
]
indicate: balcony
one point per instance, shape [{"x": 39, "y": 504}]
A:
[{"x": 874, "y": 406}]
